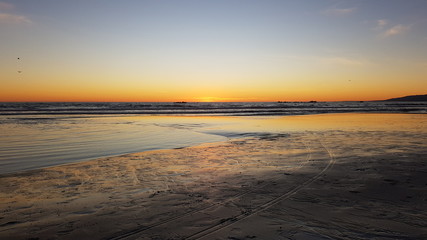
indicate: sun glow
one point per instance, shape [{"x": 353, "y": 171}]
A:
[{"x": 210, "y": 99}]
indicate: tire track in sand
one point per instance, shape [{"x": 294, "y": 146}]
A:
[
  {"x": 230, "y": 221},
  {"x": 200, "y": 209}
]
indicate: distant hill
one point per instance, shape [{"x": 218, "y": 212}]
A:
[{"x": 413, "y": 98}]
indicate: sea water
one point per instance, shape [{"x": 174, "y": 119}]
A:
[
  {"x": 208, "y": 108},
  {"x": 34, "y": 142}
]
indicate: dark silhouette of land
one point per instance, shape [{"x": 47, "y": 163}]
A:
[{"x": 412, "y": 98}]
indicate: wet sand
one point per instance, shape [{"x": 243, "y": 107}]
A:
[{"x": 317, "y": 184}]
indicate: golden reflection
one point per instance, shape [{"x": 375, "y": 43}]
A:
[{"x": 352, "y": 121}]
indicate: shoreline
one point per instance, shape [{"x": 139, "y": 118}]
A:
[
  {"x": 224, "y": 114},
  {"x": 213, "y": 134}
]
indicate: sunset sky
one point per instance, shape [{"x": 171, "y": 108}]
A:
[{"x": 217, "y": 50}]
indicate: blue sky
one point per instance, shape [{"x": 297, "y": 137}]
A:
[{"x": 223, "y": 50}]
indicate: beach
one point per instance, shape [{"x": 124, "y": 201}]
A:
[
  {"x": 213, "y": 120},
  {"x": 331, "y": 176}
]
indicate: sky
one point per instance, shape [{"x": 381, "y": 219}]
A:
[{"x": 217, "y": 50}]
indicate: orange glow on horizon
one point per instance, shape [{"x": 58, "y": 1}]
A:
[
  {"x": 115, "y": 98},
  {"x": 104, "y": 91}
]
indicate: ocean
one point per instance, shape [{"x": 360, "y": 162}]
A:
[
  {"x": 37, "y": 135},
  {"x": 209, "y": 108}
]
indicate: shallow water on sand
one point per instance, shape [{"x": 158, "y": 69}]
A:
[
  {"x": 29, "y": 143},
  {"x": 33, "y": 142}
]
